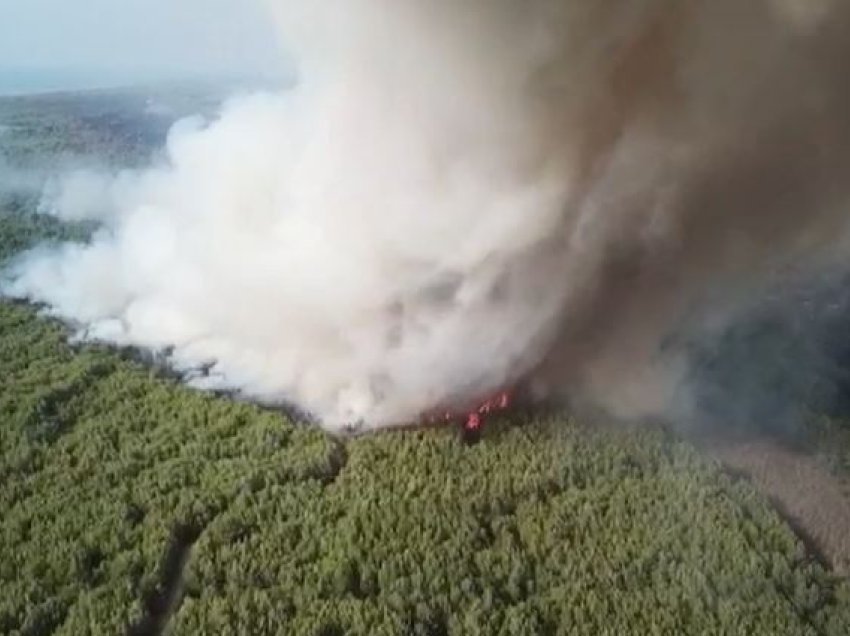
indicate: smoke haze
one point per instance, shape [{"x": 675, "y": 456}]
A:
[{"x": 463, "y": 194}]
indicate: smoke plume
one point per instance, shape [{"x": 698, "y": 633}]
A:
[{"x": 464, "y": 194}]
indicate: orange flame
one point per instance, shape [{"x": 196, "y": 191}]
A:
[{"x": 501, "y": 401}]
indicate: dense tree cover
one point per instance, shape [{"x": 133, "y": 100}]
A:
[
  {"x": 103, "y": 466},
  {"x": 119, "y": 128},
  {"x": 131, "y": 504},
  {"x": 21, "y": 229},
  {"x": 126, "y": 496}
]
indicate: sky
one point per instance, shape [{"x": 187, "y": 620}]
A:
[{"x": 138, "y": 37}]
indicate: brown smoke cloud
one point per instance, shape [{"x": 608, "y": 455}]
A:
[{"x": 744, "y": 121}]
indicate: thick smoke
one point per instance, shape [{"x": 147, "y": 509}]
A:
[{"x": 464, "y": 194}]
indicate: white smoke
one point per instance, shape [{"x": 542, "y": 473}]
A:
[{"x": 462, "y": 192}]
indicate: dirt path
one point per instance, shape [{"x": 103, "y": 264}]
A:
[{"x": 812, "y": 499}]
